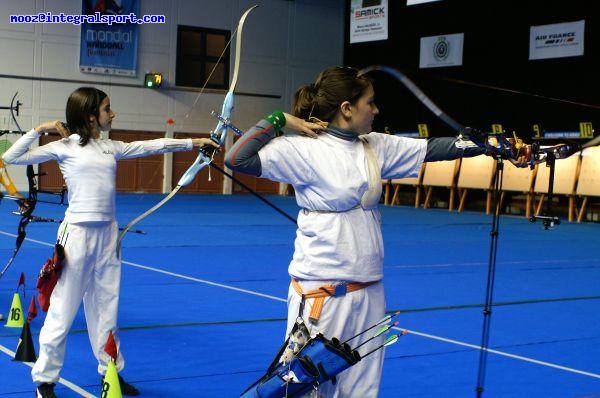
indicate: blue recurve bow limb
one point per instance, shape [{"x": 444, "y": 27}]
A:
[{"x": 218, "y": 135}]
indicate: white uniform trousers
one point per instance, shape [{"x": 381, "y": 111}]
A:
[
  {"x": 344, "y": 317},
  {"x": 92, "y": 272}
]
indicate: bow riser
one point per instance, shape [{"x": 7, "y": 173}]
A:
[
  {"x": 206, "y": 154},
  {"x": 201, "y": 161},
  {"x": 220, "y": 132}
]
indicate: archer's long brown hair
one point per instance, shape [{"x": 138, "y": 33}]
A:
[{"x": 82, "y": 103}]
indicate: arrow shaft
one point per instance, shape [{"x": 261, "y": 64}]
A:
[{"x": 382, "y": 320}]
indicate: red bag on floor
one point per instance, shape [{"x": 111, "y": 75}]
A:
[{"x": 49, "y": 275}]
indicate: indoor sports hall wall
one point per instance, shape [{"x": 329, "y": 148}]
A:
[{"x": 282, "y": 48}]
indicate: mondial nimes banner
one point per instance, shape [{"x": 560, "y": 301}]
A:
[{"x": 109, "y": 46}]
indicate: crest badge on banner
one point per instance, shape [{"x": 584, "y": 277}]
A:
[
  {"x": 438, "y": 51},
  {"x": 368, "y": 20},
  {"x": 556, "y": 40},
  {"x": 109, "y": 48}
]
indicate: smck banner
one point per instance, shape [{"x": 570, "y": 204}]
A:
[
  {"x": 438, "y": 51},
  {"x": 556, "y": 40},
  {"x": 109, "y": 48},
  {"x": 368, "y": 20}
]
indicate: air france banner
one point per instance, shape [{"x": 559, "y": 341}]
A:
[
  {"x": 109, "y": 48},
  {"x": 556, "y": 40},
  {"x": 368, "y": 20},
  {"x": 439, "y": 51}
]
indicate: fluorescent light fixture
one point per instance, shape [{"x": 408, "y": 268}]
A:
[{"x": 413, "y": 2}]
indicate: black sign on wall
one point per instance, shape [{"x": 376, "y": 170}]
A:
[{"x": 496, "y": 83}]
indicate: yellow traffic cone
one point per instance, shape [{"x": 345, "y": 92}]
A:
[
  {"x": 110, "y": 386},
  {"x": 15, "y": 317}
]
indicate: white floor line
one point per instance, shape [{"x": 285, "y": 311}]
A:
[
  {"x": 504, "y": 354},
  {"x": 429, "y": 336},
  {"x": 62, "y": 381},
  {"x": 28, "y": 239},
  {"x": 481, "y": 263},
  {"x": 189, "y": 278},
  {"x": 440, "y": 265}
]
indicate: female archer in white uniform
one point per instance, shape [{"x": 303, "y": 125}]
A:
[
  {"x": 92, "y": 271},
  {"x": 336, "y": 177}
]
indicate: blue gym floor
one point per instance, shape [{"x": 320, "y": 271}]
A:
[{"x": 203, "y": 301}]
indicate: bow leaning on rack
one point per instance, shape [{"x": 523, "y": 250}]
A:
[
  {"x": 218, "y": 135},
  {"x": 26, "y": 205},
  {"x": 5, "y": 179}
]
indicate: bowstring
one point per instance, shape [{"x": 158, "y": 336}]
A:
[
  {"x": 227, "y": 46},
  {"x": 187, "y": 115}
]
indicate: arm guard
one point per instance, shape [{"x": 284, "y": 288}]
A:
[
  {"x": 450, "y": 148},
  {"x": 243, "y": 156}
]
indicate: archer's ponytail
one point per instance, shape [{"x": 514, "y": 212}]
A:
[{"x": 333, "y": 86}]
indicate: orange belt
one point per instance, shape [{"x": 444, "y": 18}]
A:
[{"x": 322, "y": 292}]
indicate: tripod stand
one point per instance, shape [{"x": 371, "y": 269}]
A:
[
  {"x": 550, "y": 156},
  {"x": 489, "y": 291}
]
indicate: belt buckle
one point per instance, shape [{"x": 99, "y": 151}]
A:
[{"x": 340, "y": 290}]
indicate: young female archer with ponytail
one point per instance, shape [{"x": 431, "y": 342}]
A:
[
  {"x": 92, "y": 271},
  {"x": 336, "y": 165}
]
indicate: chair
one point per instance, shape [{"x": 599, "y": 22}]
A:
[
  {"x": 396, "y": 183},
  {"x": 440, "y": 174},
  {"x": 565, "y": 182},
  {"x": 285, "y": 189},
  {"x": 589, "y": 178},
  {"x": 386, "y": 186},
  {"x": 516, "y": 179},
  {"x": 476, "y": 173}
]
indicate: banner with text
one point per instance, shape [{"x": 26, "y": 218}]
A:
[
  {"x": 439, "y": 51},
  {"x": 368, "y": 20},
  {"x": 109, "y": 49},
  {"x": 556, "y": 40}
]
